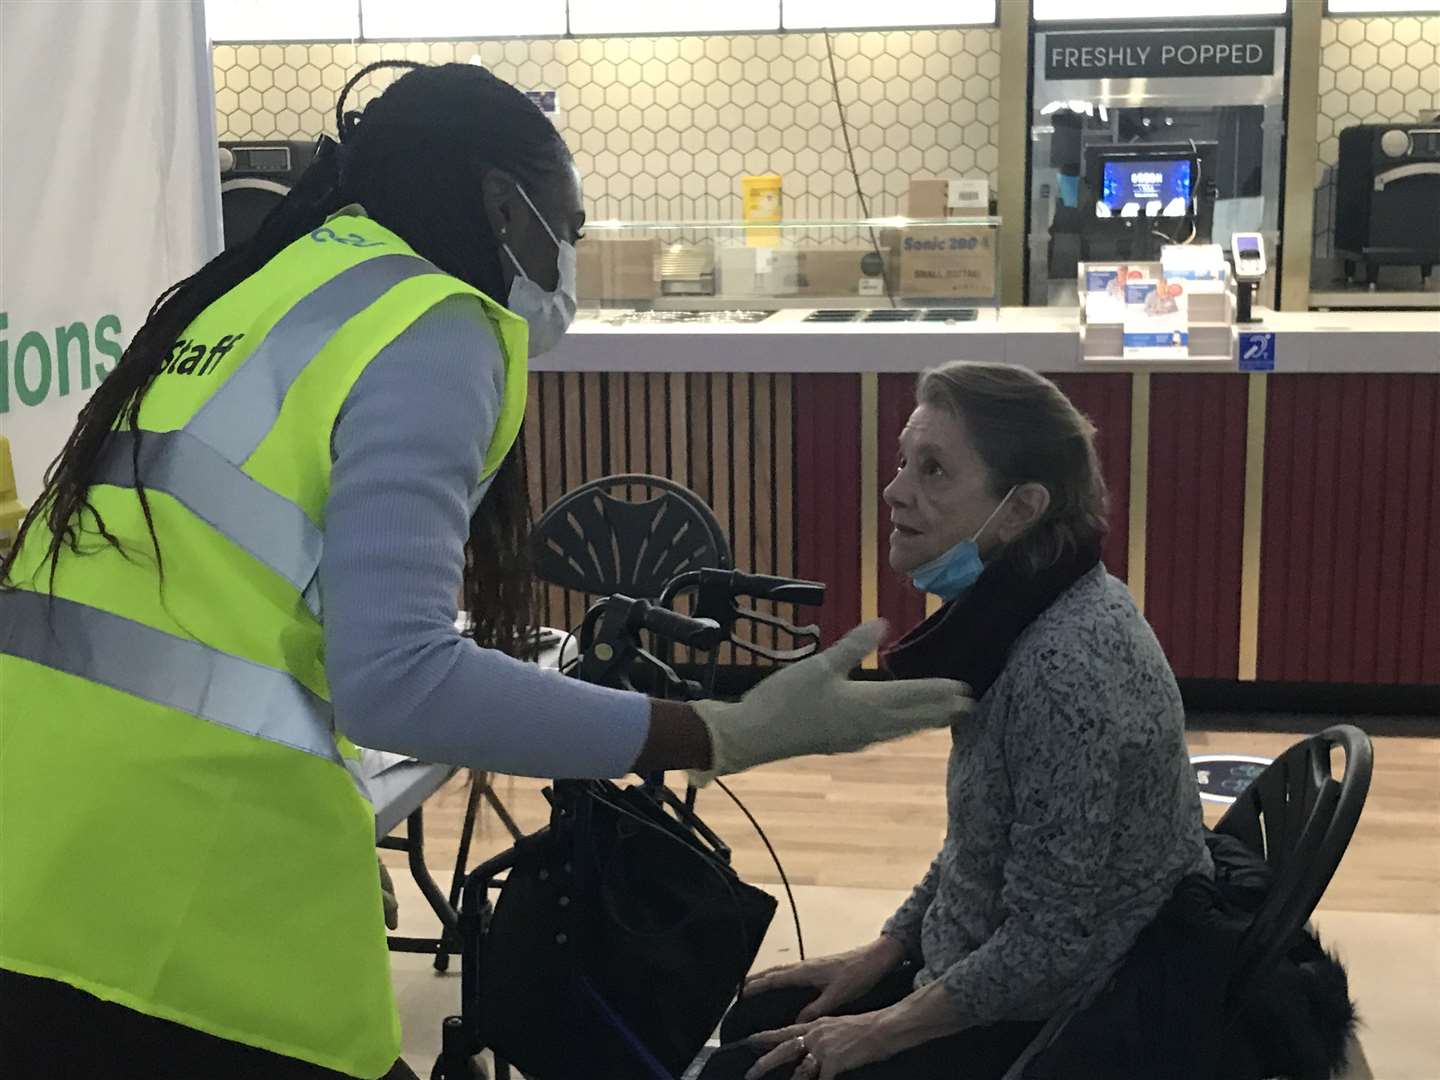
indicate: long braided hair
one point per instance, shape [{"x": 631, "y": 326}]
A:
[{"x": 415, "y": 158}]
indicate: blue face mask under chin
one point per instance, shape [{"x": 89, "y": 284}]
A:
[{"x": 955, "y": 570}]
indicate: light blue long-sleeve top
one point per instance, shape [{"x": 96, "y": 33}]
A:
[{"x": 408, "y": 447}]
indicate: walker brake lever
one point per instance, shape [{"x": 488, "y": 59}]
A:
[
  {"x": 779, "y": 656},
  {"x": 684, "y": 689},
  {"x": 809, "y": 631}
]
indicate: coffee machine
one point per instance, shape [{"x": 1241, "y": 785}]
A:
[
  {"x": 1387, "y": 205},
  {"x": 254, "y": 178}
]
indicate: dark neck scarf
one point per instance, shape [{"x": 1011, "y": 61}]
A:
[{"x": 970, "y": 637}]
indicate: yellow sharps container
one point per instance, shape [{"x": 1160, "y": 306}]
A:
[{"x": 760, "y": 196}]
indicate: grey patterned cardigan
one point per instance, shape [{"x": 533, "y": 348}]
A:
[{"x": 1073, "y": 812}]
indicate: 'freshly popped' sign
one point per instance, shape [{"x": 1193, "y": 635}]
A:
[{"x": 1132, "y": 54}]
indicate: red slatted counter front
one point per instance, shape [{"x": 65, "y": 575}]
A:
[
  {"x": 1350, "y": 575},
  {"x": 1347, "y": 567}
]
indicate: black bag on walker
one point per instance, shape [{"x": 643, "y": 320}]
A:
[{"x": 617, "y": 943}]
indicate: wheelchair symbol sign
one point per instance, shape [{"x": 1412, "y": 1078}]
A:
[{"x": 1257, "y": 351}]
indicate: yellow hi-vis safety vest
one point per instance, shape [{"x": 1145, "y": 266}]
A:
[{"x": 181, "y": 829}]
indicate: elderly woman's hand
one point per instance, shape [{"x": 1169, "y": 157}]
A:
[
  {"x": 826, "y": 1048},
  {"x": 840, "y": 979}
]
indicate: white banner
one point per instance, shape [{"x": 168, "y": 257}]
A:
[{"x": 109, "y": 193}]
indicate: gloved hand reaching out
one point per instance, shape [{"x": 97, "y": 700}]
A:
[{"x": 814, "y": 708}]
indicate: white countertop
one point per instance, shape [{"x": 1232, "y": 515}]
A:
[{"x": 1045, "y": 339}]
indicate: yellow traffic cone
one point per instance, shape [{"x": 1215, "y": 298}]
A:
[{"x": 12, "y": 510}]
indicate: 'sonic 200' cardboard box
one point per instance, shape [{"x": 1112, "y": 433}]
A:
[{"x": 945, "y": 262}]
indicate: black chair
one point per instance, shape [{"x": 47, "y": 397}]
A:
[
  {"x": 1300, "y": 818},
  {"x": 627, "y": 534}
]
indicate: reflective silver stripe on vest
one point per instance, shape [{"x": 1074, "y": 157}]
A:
[
  {"x": 357, "y": 777},
  {"x": 267, "y": 525},
  {"x": 166, "y": 670},
  {"x": 242, "y": 412}
]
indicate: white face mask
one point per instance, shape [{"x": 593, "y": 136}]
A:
[{"x": 548, "y": 313}]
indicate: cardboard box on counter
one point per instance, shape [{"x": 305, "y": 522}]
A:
[
  {"x": 617, "y": 268},
  {"x": 949, "y": 262},
  {"x": 927, "y": 198},
  {"x": 815, "y": 272},
  {"x": 746, "y": 271},
  {"x": 829, "y": 271},
  {"x": 946, "y": 196}
]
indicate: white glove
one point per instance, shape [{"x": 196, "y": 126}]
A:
[{"x": 814, "y": 708}]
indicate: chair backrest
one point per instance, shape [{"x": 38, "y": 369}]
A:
[
  {"x": 1300, "y": 818},
  {"x": 627, "y": 534}
]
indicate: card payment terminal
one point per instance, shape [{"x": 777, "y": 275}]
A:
[{"x": 1248, "y": 251}]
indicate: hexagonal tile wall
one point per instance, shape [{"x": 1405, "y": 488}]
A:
[
  {"x": 665, "y": 127},
  {"x": 1372, "y": 70}
]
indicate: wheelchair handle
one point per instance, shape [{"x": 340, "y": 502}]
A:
[
  {"x": 779, "y": 589},
  {"x": 673, "y": 626},
  {"x": 736, "y": 583}
]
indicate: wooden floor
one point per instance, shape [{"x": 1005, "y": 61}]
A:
[
  {"x": 856, "y": 832},
  {"x": 876, "y": 819}
]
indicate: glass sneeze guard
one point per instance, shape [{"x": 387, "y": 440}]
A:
[{"x": 749, "y": 270}]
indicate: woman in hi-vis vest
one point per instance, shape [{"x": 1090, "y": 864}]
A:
[{"x": 245, "y": 561}]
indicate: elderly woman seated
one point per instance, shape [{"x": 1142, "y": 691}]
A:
[{"x": 1073, "y": 810}]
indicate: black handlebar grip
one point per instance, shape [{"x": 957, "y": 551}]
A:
[
  {"x": 780, "y": 589},
  {"x": 682, "y": 629}
]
